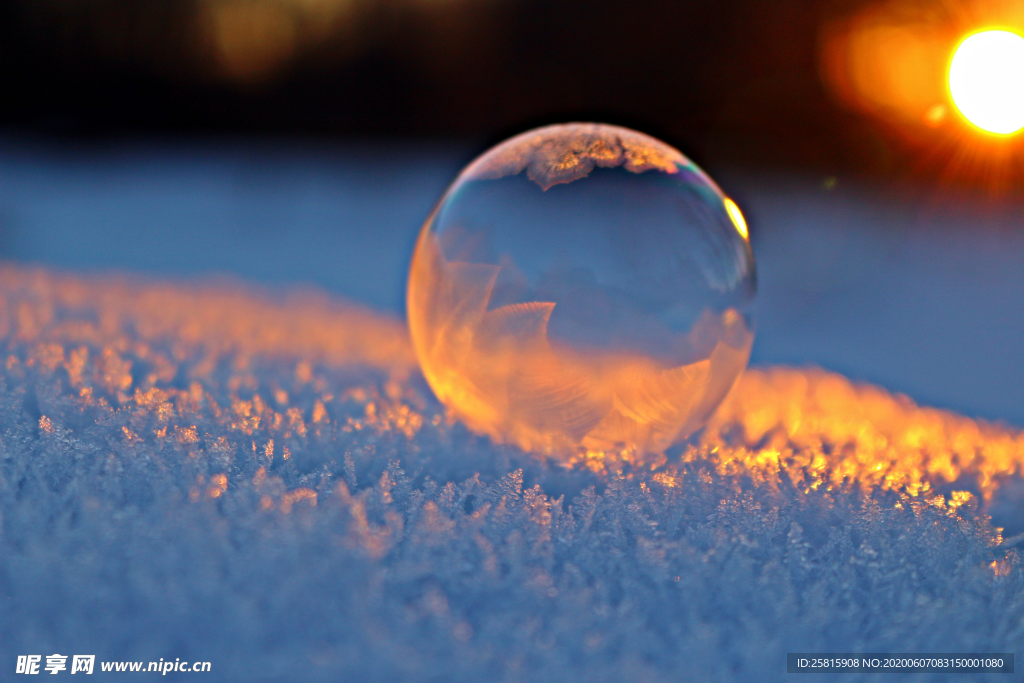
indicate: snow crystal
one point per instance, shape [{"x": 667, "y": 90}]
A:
[{"x": 265, "y": 483}]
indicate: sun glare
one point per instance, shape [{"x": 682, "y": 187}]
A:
[{"x": 986, "y": 81}]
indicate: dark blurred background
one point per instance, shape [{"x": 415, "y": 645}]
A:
[
  {"x": 302, "y": 142},
  {"x": 843, "y": 86}
]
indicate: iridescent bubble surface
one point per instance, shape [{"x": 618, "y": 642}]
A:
[{"x": 583, "y": 286}]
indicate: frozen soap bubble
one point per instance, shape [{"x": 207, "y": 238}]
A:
[{"x": 583, "y": 285}]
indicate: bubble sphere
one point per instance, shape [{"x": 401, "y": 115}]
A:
[{"x": 582, "y": 286}]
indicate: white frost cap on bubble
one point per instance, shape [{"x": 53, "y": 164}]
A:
[{"x": 566, "y": 152}]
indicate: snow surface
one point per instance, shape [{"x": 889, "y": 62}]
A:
[{"x": 222, "y": 474}]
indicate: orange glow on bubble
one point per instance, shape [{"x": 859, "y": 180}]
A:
[
  {"x": 986, "y": 81},
  {"x": 501, "y": 375}
]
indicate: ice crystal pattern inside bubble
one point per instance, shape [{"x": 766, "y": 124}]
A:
[{"x": 583, "y": 285}]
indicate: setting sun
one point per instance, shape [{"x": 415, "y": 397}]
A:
[{"x": 986, "y": 81}]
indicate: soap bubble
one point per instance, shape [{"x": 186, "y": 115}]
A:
[{"x": 583, "y": 286}]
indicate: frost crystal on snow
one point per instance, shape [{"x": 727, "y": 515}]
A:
[{"x": 266, "y": 484}]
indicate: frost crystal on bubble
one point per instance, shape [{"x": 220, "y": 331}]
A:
[
  {"x": 612, "y": 312},
  {"x": 568, "y": 152}
]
